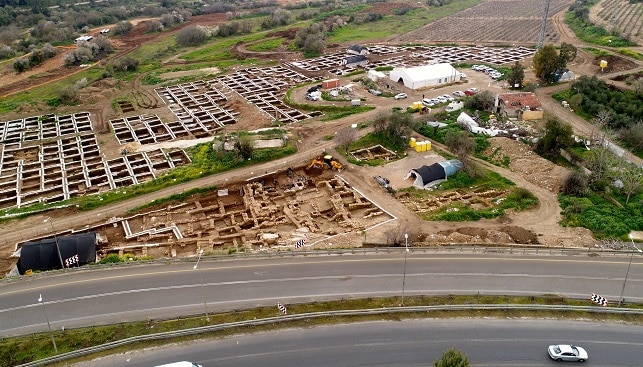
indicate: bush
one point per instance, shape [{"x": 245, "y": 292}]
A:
[
  {"x": 192, "y": 36},
  {"x": 575, "y": 184},
  {"x": 123, "y": 28},
  {"x": 20, "y": 65},
  {"x": 6, "y": 52}
]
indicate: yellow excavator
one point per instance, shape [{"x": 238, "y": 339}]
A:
[{"x": 325, "y": 162}]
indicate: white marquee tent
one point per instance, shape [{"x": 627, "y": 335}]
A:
[{"x": 425, "y": 76}]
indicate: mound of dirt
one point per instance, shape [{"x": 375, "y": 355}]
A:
[{"x": 506, "y": 234}]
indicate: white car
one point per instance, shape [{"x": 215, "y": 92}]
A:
[
  {"x": 448, "y": 97},
  {"x": 567, "y": 352},
  {"x": 400, "y": 96},
  {"x": 459, "y": 93}
]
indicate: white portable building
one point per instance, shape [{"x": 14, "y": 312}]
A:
[{"x": 425, "y": 76}]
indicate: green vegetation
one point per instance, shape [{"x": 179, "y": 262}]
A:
[
  {"x": 19, "y": 350},
  {"x": 46, "y": 92},
  {"x": 599, "y": 214},
  {"x": 623, "y": 106},
  {"x": 390, "y": 25},
  {"x": 631, "y": 53},
  {"x": 591, "y": 33},
  {"x": 598, "y": 52},
  {"x": 452, "y": 358},
  {"x": 269, "y": 44},
  {"x": 510, "y": 197}
]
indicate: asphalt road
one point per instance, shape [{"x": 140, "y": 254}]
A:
[
  {"x": 141, "y": 292},
  {"x": 516, "y": 343}
]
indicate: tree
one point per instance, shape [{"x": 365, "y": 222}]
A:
[
  {"x": 452, "y": 358},
  {"x": 482, "y": 101},
  {"x": 345, "y": 137},
  {"x": 311, "y": 39},
  {"x": 244, "y": 146},
  {"x": 546, "y": 63},
  {"x": 380, "y": 121},
  {"x": 516, "y": 75},
  {"x": 633, "y": 136},
  {"x": 632, "y": 178},
  {"x": 462, "y": 145},
  {"x": 557, "y": 136},
  {"x": 566, "y": 55},
  {"x": 600, "y": 162}
]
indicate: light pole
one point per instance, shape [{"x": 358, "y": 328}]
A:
[
  {"x": 205, "y": 305},
  {"x": 48, "y": 324},
  {"x": 62, "y": 265},
  {"x": 627, "y": 273},
  {"x": 406, "y": 251}
]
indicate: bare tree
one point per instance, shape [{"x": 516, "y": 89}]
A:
[
  {"x": 396, "y": 235},
  {"x": 632, "y": 178},
  {"x": 345, "y": 137},
  {"x": 602, "y": 119}
]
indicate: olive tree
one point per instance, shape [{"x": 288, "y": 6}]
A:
[
  {"x": 516, "y": 75},
  {"x": 557, "y": 136},
  {"x": 546, "y": 63}
]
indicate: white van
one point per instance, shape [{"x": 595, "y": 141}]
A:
[{"x": 180, "y": 364}]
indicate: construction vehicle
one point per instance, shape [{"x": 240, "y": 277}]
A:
[{"x": 325, "y": 162}]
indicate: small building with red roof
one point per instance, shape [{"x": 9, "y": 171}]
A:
[{"x": 522, "y": 105}]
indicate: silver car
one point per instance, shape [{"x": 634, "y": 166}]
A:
[{"x": 566, "y": 352}]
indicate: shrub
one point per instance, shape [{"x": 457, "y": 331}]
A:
[
  {"x": 123, "y": 28},
  {"x": 192, "y": 36},
  {"x": 20, "y": 65},
  {"x": 575, "y": 184}
]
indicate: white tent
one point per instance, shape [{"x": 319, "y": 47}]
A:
[{"x": 425, "y": 76}]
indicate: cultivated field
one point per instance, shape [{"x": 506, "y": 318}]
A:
[
  {"x": 492, "y": 22},
  {"x": 620, "y": 16}
]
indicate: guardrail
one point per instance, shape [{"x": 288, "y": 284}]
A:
[{"x": 313, "y": 315}]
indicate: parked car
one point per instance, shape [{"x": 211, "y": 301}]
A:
[
  {"x": 428, "y": 102},
  {"x": 383, "y": 181},
  {"x": 400, "y": 96},
  {"x": 463, "y": 75},
  {"x": 566, "y": 352},
  {"x": 471, "y": 91},
  {"x": 448, "y": 97},
  {"x": 459, "y": 93}
]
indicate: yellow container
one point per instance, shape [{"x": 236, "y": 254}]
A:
[
  {"x": 427, "y": 144},
  {"x": 412, "y": 143},
  {"x": 417, "y": 105},
  {"x": 422, "y": 146},
  {"x": 418, "y": 147}
]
